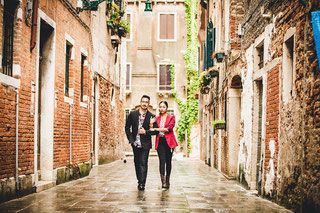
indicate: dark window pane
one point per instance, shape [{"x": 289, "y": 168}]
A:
[
  {"x": 83, "y": 58},
  {"x": 8, "y": 36},
  {"x": 68, "y": 57}
]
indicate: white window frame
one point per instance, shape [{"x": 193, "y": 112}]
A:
[
  {"x": 258, "y": 42},
  {"x": 130, "y": 78},
  {"x": 158, "y": 77},
  {"x": 175, "y": 27},
  {"x": 71, "y": 40},
  {"x": 131, "y": 31}
]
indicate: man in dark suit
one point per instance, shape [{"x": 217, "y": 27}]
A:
[{"x": 139, "y": 136}]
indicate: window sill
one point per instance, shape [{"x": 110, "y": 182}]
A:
[
  {"x": 83, "y": 105},
  {"x": 9, "y": 81},
  {"x": 68, "y": 100},
  {"x": 167, "y": 40}
]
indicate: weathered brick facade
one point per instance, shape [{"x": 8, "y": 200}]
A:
[
  {"x": 65, "y": 127},
  {"x": 111, "y": 138},
  {"x": 278, "y": 139}
]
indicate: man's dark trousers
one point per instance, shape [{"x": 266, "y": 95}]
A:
[{"x": 141, "y": 156}]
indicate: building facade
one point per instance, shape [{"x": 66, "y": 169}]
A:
[
  {"x": 57, "y": 93},
  {"x": 157, "y": 41},
  {"x": 260, "y": 97}
]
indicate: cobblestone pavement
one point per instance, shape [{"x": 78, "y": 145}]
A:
[{"x": 195, "y": 187}]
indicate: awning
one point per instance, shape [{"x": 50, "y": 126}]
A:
[{"x": 315, "y": 17}]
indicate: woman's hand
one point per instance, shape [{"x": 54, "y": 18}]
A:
[{"x": 163, "y": 130}]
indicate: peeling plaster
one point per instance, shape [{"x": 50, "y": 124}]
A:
[
  {"x": 270, "y": 175},
  {"x": 246, "y": 114}
]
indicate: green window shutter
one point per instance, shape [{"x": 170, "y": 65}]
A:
[
  {"x": 209, "y": 44},
  {"x": 214, "y": 39},
  {"x": 204, "y": 56}
]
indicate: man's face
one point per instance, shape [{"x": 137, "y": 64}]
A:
[{"x": 144, "y": 104}]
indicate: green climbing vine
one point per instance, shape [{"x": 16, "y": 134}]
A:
[{"x": 189, "y": 107}]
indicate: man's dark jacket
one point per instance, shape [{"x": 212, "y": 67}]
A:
[{"x": 131, "y": 128}]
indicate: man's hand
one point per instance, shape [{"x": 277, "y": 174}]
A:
[
  {"x": 152, "y": 120},
  {"x": 142, "y": 131}
]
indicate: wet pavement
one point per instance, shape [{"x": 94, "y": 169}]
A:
[{"x": 195, "y": 187}]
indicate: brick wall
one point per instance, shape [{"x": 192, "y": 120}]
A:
[
  {"x": 272, "y": 129},
  {"x": 25, "y": 59},
  {"x": 111, "y": 119},
  {"x": 81, "y": 117}
]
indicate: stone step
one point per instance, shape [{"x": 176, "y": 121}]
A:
[{"x": 44, "y": 185}]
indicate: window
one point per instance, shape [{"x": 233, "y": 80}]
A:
[
  {"x": 288, "y": 68},
  {"x": 129, "y": 19},
  {"x": 67, "y": 73},
  {"x": 128, "y": 77},
  {"x": 260, "y": 52},
  {"x": 167, "y": 27},
  {"x": 8, "y": 36},
  {"x": 164, "y": 77},
  {"x": 83, "y": 59}
]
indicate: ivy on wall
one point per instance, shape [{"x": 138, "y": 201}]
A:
[{"x": 188, "y": 108}]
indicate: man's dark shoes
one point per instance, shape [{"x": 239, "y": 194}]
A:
[{"x": 141, "y": 187}]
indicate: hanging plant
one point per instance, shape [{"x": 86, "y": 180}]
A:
[
  {"x": 123, "y": 28},
  {"x": 116, "y": 23}
]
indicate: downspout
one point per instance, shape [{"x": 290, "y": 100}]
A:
[
  {"x": 17, "y": 140},
  {"x": 70, "y": 134}
]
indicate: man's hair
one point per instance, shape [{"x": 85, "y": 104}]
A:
[{"x": 145, "y": 96}]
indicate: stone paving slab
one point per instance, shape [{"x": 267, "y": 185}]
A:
[{"x": 195, "y": 187}]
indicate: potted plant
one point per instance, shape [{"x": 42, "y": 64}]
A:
[
  {"x": 219, "y": 124},
  {"x": 219, "y": 56},
  {"x": 123, "y": 28}
]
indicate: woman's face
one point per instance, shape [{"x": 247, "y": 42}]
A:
[{"x": 162, "y": 108}]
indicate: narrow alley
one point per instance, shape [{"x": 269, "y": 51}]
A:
[
  {"x": 112, "y": 188},
  {"x": 233, "y": 86}
]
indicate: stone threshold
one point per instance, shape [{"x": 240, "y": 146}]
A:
[{"x": 44, "y": 185}]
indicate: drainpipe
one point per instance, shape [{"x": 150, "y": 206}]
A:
[
  {"x": 17, "y": 140},
  {"x": 70, "y": 134}
]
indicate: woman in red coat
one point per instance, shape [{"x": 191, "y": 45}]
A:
[{"x": 165, "y": 142}]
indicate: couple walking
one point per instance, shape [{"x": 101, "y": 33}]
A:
[{"x": 140, "y": 125}]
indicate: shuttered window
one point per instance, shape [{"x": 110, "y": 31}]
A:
[
  {"x": 164, "y": 77},
  {"x": 167, "y": 30},
  {"x": 128, "y": 77}
]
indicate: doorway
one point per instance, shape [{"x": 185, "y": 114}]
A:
[
  {"x": 258, "y": 133},
  {"x": 45, "y": 101},
  {"x": 233, "y": 124}
]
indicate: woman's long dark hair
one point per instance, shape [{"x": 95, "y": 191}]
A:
[{"x": 165, "y": 103}]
